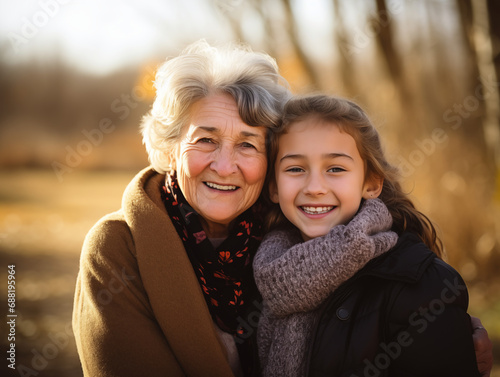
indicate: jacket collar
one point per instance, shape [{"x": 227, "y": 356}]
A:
[
  {"x": 405, "y": 262},
  {"x": 166, "y": 272}
]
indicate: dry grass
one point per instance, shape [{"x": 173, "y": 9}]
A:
[{"x": 42, "y": 227}]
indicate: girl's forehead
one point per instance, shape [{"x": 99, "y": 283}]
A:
[
  {"x": 315, "y": 136},
  {"x": 310, "y": 123}
]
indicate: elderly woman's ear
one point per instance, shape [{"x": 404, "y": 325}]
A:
[{"x": 171, "y": 160}]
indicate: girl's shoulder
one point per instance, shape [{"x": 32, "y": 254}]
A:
[
  {"x": 422, "y": 262},
  {"x": 425, "y": 281},
  {"x": 409, "y": 260},
  {"x": 417, "y": 274}
]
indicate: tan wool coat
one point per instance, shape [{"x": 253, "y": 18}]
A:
[{"x": 139, "y": 310}]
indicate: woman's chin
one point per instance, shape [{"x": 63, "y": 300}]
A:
[{"x": 220, "y": 215}]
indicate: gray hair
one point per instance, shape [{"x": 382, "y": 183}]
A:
[{"x": 251, "y": 78}]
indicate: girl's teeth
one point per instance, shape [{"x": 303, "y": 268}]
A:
[
  {"x": 316, "y": 210},
  {"x": 220, "y": 187}
]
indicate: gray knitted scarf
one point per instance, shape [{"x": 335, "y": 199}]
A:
[{"x": 295, "y": 277}]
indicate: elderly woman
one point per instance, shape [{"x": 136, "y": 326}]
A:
[{"x": 165, "y": 285}]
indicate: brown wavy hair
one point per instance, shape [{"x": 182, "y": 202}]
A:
[{"x": 351, "y": 119}]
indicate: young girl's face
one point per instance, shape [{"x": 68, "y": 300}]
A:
[{"x": 319, "y": 177}]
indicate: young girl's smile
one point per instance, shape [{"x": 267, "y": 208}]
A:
[
  {"x": 327, "y": 157},
  {"x": 319, "y": 177}
]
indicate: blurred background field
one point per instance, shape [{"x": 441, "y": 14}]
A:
[
  {"x": 76, "y": 78},
  {"x": 43, "y": 227}
]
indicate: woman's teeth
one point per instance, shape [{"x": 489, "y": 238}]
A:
[
  {"x": 317, "y": 210},
  {"x": 220, "y": 187}
]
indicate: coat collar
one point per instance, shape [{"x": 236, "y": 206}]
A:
[
  {"x": 173, "y": 291},
  {"x": 405, "y": 262}
]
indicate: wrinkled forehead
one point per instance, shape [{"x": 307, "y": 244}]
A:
[{"x": 218, "y": 115}]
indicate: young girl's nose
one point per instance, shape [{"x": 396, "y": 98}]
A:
[
  {"x": 224, "y": 162},
  {"x": 315, "y": 185}
]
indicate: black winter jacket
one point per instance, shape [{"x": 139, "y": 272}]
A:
[{"x": 403, "y": 314}]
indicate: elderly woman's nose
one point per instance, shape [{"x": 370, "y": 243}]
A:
[{"x": 224, "y": 162}]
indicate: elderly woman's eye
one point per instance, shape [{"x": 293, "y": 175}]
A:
[
  {"x": 248, "y": 145},
  {"x": 205, "y": 140}
]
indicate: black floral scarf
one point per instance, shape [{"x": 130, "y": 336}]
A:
[{"x": 225, "y": 272}]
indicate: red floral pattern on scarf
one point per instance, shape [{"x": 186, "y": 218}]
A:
[{"x": 224, "y": 273}]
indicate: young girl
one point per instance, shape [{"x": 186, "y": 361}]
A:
[{"x": 352, "y": 279}]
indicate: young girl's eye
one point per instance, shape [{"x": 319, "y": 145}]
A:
[
  {"x": 336, "y": 170},
  {"x": 294, "y": 170}
]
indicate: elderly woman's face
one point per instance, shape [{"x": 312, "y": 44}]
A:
[{"x": 220, "y": 162}]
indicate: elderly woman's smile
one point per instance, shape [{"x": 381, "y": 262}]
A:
[
  {"x": 220, "y": 162},
  {"x": 192, "y": 285},
  {"x": 220, "y": 187}
]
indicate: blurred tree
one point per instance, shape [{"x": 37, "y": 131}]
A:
[
  {"x": 434, "y": 49},
  {"x": 494, "y": 14},
  {"x": 482, "y": 83},
  {"x": 494, "y": 27},
  {"x": 293, "y": 57},
  {"x": 267, "y": 21},
  {"x": 345, "y": 57},
  {"x": 382, "y": 26},
  {"x": 293, "y": 35}
]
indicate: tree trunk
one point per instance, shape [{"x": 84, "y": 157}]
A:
[
  {"x": 483, "y": 84},
  {"x": 341, "y": 39},
  {"x": 494, "y": 14},
  {"x": 381, "y": 25},
  {"x": 301, "y": 55}
]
